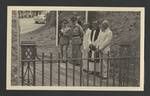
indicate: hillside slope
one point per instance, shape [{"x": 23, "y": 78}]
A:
[{"x": 124, "y": 25}]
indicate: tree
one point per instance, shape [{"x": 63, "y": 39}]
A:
[{"x": 51, "y": 19}]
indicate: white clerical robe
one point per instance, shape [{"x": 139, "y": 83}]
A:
[
  {"x": 86, "y": 39},
  {"x": 86, "y": 42}
]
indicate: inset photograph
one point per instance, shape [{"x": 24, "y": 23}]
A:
[{"x": 75, "y": 49}]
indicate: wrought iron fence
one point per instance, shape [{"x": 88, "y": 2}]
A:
[{"x": 49, "y": 71}]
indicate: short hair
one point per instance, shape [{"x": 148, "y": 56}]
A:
[
  {"x": 105, "y": 22},
  {"x": 74, "y": 18}
]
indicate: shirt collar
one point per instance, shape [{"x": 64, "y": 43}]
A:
[{"x": 105, "y": 30}]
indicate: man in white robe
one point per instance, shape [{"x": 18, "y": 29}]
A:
[
  {"x": 103, "y": 44},
  {"x": 85, "y": 49},
  {"x": 90, "y": 37}
]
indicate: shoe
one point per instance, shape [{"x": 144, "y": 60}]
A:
[
  {"x": 84, "y": 70},
  {"x": 77, "y": 64},
  {"x": 64, "y": 61},
  {"x": 91, "y": 72}
]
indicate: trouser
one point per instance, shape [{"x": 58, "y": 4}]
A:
[
  {"x": 76, "y": 53},
  {"x": 64, "y": 53},
  {"x": 97, "y": 64},
  {"x": 85, "y": 58},
  {"x": 92, "y": 64},
  {"x": 104, "y": 67}
]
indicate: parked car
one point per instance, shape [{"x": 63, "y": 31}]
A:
[{"x": 40, "y": 19}]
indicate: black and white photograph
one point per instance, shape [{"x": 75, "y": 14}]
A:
[{"x": 75, "y": 48}]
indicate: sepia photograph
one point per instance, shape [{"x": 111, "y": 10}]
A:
[{"x": 75, "y": 48}]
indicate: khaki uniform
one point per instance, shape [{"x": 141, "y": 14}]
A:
[
  {"x": 64, "y": 38},
  {"x": 64, "y": 42},
  {"x": 76, "y": 35}
]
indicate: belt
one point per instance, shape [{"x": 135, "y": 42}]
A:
[
  {"x": 91, "y": 61},
  {"x": 76, "y": 36}
]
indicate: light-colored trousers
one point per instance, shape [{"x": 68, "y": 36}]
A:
[{"x": 96, "y": 65}]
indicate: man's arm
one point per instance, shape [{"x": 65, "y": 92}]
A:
[{"x": 81, "y": 31}]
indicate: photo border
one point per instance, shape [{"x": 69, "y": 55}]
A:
[{"x": 69, "y": 8}]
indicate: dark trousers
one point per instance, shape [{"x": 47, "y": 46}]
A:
[{"x": 64, "y": 53}]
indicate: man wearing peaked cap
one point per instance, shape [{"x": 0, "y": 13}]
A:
[{"x": 76, "y": 40}]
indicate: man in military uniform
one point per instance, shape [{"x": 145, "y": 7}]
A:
[
  {"x": 76, "y": 41},
  {"x": 64, "y": 39}
]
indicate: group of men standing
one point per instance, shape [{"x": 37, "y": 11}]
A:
[
  {"x": 71, "y": 32},
  {"x": 89, "y": 43}
]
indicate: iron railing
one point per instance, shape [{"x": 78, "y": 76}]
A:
[
  {"x": 50, "y": 71},
  {"x": 119, "y": 72}
]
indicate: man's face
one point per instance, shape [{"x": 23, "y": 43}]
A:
[
  {"x": 104, "y": 26},
  {"x": 76, "y": 29},
  {"x": 94, "y": 26}
]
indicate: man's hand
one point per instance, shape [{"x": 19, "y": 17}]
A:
[{"x": 92, "y": 47}]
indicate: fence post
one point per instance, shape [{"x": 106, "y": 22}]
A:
[
  {"x": 94, "y": 76},
  {"x": 51, "y": 56},
  {"x": 42, "y": 69},
  {"x": 88, "y": 68},
  {"x": 73, "y": 74},
  {"x": 66, "y": 69},
  {"x": 108, "y": 64},
  {"x": 22, "y": 73},
  {"x": 28, "y": 54},
  {"x": 58, "y": 69},
  {"x": 124, "y": 74},
  {"x": 81, "y": 70},
  {"x": 101, "y": 67},
  {"x": 113, "y": 71}
]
